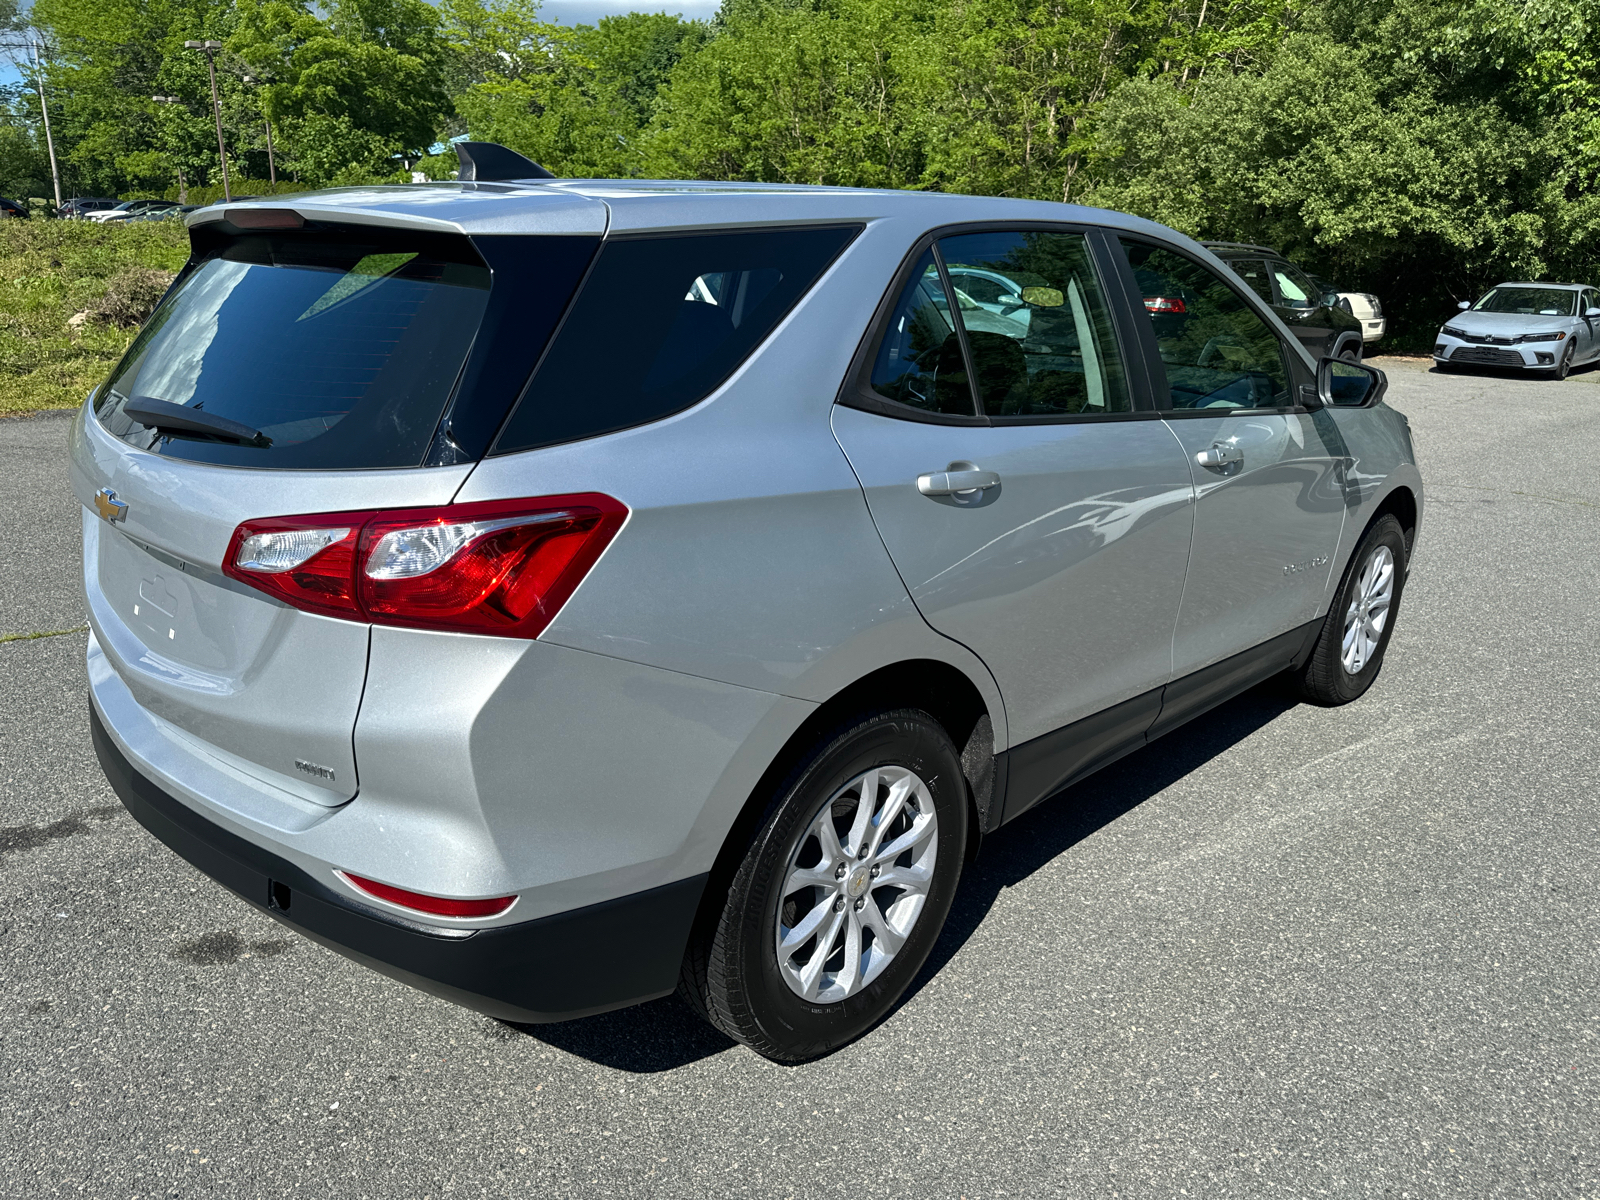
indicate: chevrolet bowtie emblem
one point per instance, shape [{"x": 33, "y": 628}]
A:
[{"x": 109, "y": 507}]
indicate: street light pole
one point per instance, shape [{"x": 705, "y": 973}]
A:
[
  {"x": 209, "y": 49},
  {"x": 44, "y": 110}
]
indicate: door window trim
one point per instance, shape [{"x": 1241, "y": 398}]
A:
[
  {"x": 1294, "y": 364},
  {"x": 856, "y": 389}
]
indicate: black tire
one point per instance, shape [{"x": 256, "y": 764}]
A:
[
  {"x": 1351, "y": 352},
  {"x": 731, "y": 972},
  {"x": 1325, "y": 678}
]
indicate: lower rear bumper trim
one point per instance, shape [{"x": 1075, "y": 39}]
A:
[{"x": 554, "y": 968}]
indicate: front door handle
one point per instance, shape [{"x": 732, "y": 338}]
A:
[
  {"x": 1219, "y": 455},
  {"x": 959, "y": 478}
]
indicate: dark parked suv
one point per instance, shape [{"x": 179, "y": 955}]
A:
[{"x": 1311, "y": 312}]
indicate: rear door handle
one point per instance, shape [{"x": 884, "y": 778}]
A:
[
  {"x": 958, "y": 479},
  {"x": 1219, "y": 455}
]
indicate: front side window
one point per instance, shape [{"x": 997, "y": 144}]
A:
[
  {"x": 1037, "y": 324},
  {"x": 919, "y": 361},
  {"x": 339, "y": 348},
  {"x": 1218, "y": 352},
  {"x": 1295, "y": 287},
  {"x": 660, "y": 323},
  {"x": 1254, "y": 272},
  {"x": 1532, "y": 301}
]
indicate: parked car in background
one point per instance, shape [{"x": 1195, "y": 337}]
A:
[
  {"x": 10, "y": 208},
  {"x": 175, "y": 212},
  {"x": 1363, "y": 306},
  {"x": 1312, "y": 312},
  {"x": 1549, "y": 327},
  {"x": 678, "y": 612},
  {"x": 129, "y": 208},
  {"x": 79, "y": 207}
]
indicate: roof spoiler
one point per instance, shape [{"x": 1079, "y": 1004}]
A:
[{"x": 490, "y": 162}]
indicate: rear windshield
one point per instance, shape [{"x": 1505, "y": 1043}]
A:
[
  {"x": 660, "y": 323},
  {"x": 340, "y": 348}
]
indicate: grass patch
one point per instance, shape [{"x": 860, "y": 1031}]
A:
[{"x": 52, "y": 271}]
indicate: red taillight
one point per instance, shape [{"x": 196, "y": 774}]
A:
[
  {"x": 1165, "y": 304},
  {"x": 500, "y": 566},
  {"x": 438, "y": 906}
]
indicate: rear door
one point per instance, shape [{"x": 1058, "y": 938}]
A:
[
  {"x": 289, "y": 373},
  {"x": 1268, "y": 473},
  {"x": 1041, "y": 518}
]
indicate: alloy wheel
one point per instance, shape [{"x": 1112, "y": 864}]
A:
[
  {"x": 1368, "y": 613},
  {"x": 855, "y": 884}
]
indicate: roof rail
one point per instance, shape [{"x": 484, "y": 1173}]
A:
[
  {"x": 1239, "y": 246},
  {"x": 490, "y": 162}
]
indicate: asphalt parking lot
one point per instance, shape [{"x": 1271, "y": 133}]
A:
[{"x": 1287, "y": 951}]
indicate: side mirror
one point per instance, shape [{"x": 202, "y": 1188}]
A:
[
  {"x": 1464, "y": 305},
  {"x": 1342, "y": 384},
  {"x": 1330, "y": 300},
  {"x": 1043, "y": 297},
  {"x": 1591, "y": 313},
  {"x": 1010, "y": 300}
]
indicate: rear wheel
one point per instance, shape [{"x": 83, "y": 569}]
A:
[
  {"x": 1349, "y": 650},
  {"x": 841, "y": 894}
]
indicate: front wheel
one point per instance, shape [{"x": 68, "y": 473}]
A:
[
  {"x": 1564, "y": 363},
  {"x": 1349, "y": 650},
  {"x": 1351, "y": 353},
  {"x": 842, "y": 893}
]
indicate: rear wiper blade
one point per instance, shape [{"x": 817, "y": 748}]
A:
[{"x": 180, "y": 418}]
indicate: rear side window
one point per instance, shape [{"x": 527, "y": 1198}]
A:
[
  {"x": 340, "y": 348},
  {"x": 660, "y": 323},
  {"x": 919, "y": 361}
]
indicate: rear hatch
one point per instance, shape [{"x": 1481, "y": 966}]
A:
[{"x": 314, "y": 368}]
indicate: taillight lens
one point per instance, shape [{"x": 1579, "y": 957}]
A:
[
  {"x": 1165, "y": 304},
  {"x": 502, "y": 566},
  {"x": 439, "y": 906}
]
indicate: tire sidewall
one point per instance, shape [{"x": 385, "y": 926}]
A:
[
  {"x": 908, "y": 739},
  {"x": 1385, "y": 532}
]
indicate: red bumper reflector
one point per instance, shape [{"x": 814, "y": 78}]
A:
[{"x": 437, "y": 906}]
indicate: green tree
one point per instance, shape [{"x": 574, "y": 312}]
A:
[{"x": 350, "y": 87}]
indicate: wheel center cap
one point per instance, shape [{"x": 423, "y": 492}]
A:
[{"x": 857, "y": 882}]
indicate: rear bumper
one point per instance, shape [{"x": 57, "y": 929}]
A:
[{"x": 570, "y": 964}]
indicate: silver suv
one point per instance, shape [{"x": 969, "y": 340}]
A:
[{"x": 557, "y": 593}]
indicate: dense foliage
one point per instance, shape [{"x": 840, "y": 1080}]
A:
[{"x": 1418, "y": 149}]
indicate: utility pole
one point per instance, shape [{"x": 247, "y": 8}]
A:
[
  {"x": 209, "y": 49},
  {"x": 183, "y": 188},
  {"x": 272, "y": 167},
  {"x": 44, "y": 110}
]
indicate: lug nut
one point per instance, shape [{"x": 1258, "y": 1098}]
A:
[
  {"x": 861, "y": 903},
  {"x": 877, "y": 870},
  {"x": 838, "y": 905},
  {"x": 839, "y": 871},
  {"x": 862, "y": 853}
]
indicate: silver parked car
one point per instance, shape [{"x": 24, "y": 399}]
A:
[
  {"x": 555, "y": 593},
  {"x": 1550, "y": 327}
]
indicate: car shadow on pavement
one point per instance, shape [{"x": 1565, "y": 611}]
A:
[
  {"x": 1042, "y": 834},
  {"x": 665, "y": 1034}
]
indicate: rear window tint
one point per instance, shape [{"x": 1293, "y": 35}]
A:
[
  {"x": 660, "y": 323},
  {"x": 341, "y": 348}
]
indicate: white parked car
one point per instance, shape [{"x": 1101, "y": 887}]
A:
[{"x": 1363, "y": 306}]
